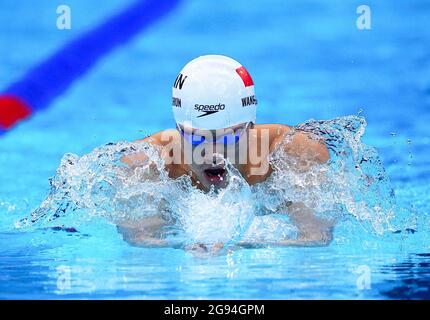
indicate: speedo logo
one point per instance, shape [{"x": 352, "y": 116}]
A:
[
  {"x": 208, "y": 108},
  {"x": 248, "y": 101}
]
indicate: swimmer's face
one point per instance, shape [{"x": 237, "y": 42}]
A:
[{"x": 207, "y": 151}]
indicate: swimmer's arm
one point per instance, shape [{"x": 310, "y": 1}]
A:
[
  {"x": 159, "y": 139},
  {"x": 307, "y": 149},
  {"x": 143, "y": 233},
  {"x": 313, "y": 231},
  {"x": 139, "y": 158}
]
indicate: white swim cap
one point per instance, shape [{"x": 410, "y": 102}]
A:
[{"x": 213, "y": 92}]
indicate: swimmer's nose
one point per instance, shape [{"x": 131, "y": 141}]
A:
[
  {"x": 214, "y": 159},
  {"x": 218, "y": 159}
]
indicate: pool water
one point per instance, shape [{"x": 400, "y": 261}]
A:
[{"x": 308, "y": 60}]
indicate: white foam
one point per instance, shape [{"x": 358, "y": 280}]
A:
[{"x": 353, "y": 183}]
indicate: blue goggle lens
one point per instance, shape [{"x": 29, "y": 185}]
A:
[{"x": 195, "y": 139}]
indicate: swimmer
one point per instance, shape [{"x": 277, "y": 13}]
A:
[{"x": 214, "y": 106}]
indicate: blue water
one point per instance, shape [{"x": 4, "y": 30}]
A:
[{"x": 307, "y": 59}]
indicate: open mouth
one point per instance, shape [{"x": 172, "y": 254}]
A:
[{"x": 215, "y": 175}]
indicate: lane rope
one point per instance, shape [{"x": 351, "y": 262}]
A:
[{"x": 39, "y": 87}]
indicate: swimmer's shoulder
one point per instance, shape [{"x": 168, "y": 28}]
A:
[
  {"x": 274, "y": 129},
  {"x": 302, "y": 143},
  {"x": 161, "y": 139},
  {"x": 276, "y": 132}
]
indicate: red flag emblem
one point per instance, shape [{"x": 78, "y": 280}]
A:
[{"x": 246, "y": 77}]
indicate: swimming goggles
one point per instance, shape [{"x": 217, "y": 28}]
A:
[{"x": 226, "y": 139}]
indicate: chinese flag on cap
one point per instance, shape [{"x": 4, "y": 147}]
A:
[{"x": 246, "y": 77}]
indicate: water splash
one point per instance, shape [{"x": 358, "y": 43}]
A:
[
  {"x": 352, "y": 182},
  {"x": 99, "y": 185}
]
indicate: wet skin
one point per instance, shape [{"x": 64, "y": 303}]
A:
[{"x": 304, "y": 148}]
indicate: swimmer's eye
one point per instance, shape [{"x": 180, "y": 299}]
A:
[
  {"x": 196, "y": 139},
  {"x": 193, "y": 139},
  {"x": 229, "y": 138}
]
